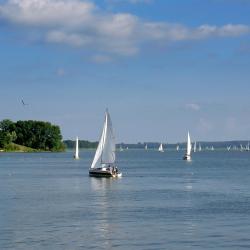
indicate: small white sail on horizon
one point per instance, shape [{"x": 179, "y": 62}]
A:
[
  {"x": 177, "y": 148},
  {"x": 146, "y": 147},
  {"x": 194, "y": 146},
  {"x": 121, "y": 148},
  {"x": 247, "y": 147},
  {"x": 160, "y": 149},
  {"x": 187, "y": 155},
  {"x": 76, "y": 155},
  {"x": 199, "y": 147}
]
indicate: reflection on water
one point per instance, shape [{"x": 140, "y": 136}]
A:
[
  {"x": 48, "y": 201},
  {"x": 101, "y": 186}
]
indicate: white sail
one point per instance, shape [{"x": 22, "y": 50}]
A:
[
  {"x": 177, "y": 148},
  {"x": 105, "y": 152},
  {"x": 199, "y": 147},
  {"x": 146, "y": 147},
  {"x": 189, "y": 145},
  {"x": 187, "y": 155},
  {"x": 161, "y": 148},
  {"x": 76, "y": 156},
  {"x": 194, "y": 147}
]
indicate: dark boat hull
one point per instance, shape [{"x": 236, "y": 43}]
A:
[
  {"x": 106, "y": 174},
  {"x": 103, "y": 173},
  {"x": 186, "y": 157}
]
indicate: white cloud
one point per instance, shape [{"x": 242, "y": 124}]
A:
[
  {"x": 193, "y": 106},
  {"x": 83, "y": 24}
]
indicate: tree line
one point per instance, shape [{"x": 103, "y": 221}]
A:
[
  {"x": 37, "y": 135},
  {"x": 82, "y": 144}
]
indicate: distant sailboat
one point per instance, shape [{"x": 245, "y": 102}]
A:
[
  {"x": 160, "y": 149},
  {"x": 247, "y": 147},
  {"x": 121, "y": 148},
  {"x": 76, "y": 155},
  {"x": 103, "y": 164},
  {"x": 187, "y": 155},
  {"x": 199, "y": 147},
  {"x": 228, "y": 148},
  {"x": 177, "y": 148},
  {"x": 212, "y": 148},
  {"x": 146, "y": 147},
  {"x": 194, "y": 147}
]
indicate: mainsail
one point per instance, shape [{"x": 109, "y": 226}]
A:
[
  {"x": 161, "y": 148},
  {"x": 77, "y": 149},
  {"x": 195, "y": 146},
  {"x": 189, "y": 145},
  {"x": 105, "y": 153}
]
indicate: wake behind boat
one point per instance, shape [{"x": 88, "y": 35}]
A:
[{"x": 103, "y": 164}]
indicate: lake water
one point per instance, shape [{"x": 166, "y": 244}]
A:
[{"x": 48, "y": 201}]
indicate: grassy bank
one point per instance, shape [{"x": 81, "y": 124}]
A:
[{"x": 12, "y": 147}]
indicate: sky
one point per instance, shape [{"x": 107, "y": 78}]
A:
[{"x": 161, "y": 67}]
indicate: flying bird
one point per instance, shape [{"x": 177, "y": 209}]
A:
[{"x": 24, "y": 104}]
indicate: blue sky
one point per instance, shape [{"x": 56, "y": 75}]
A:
[{"x": 161, "y": 67}]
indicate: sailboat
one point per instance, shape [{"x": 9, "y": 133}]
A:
[
  {"x": 121, "y": 148},
  {"x": 146, "y": 147},
  {"x": 177, "y": 148},
  {"x": 160, "y": 149},
  {"x": 228, "y": 148},
  {"x": 199, "y": 147},
  {"x": 212, "y": 148},
  {"x": 187, "y": 155},
  {"x": 247, "y": 147},
  {"x": 76, "y": 155},
  {"x": 103, "y": 164},
  {"x": 194, "y": 147}
]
